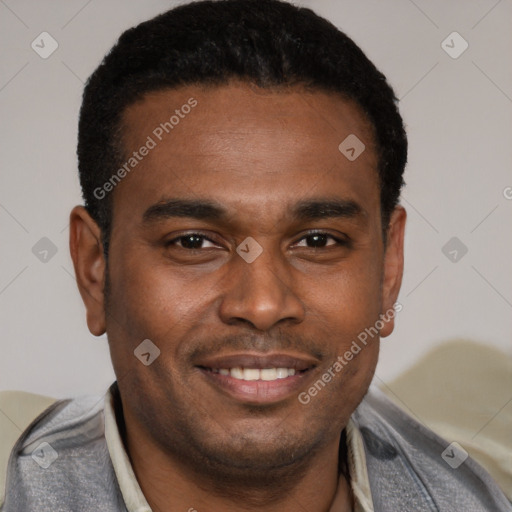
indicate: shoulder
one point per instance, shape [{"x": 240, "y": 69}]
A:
[
  {"x": 18, "y": 409},
  {"x": 461, "y": 391},
  {"x": 72, "y": 427},
  {"x": 411, "y": 465}
]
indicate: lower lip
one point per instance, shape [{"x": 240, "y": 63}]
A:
[{"x": 257, "y": 391}]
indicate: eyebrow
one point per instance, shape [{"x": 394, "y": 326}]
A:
[{"x": 305, "y": 210}]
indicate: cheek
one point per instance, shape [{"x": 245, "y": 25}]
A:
[
  {"x": 152, "y": 300},
  {"x": 347, "y": 307},
  {"x": 148, "y": 302},
  {"x": 349, "y": 301},
  {"x": 339, "y": 389}
]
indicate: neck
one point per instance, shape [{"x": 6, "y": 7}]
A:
[
  {"x": 168, "y": 484},
  {"x": 316, "y": 483}
]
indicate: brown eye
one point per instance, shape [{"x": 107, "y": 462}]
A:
[
  {"x": 319, "y": 240},
  {"x": 192, "y": 241}
]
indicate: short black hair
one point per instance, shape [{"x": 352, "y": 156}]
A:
[{"x": 268, "y": 43}]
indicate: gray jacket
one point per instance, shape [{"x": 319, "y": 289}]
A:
[{"x": 406, "y": 470}]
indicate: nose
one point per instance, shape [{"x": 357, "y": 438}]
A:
[{"x": 261, "y": 293}]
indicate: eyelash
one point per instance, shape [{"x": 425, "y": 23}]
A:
[{"x": 339, "y": 241}]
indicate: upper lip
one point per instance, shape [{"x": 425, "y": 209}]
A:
[{"x": 258, "y": 360}]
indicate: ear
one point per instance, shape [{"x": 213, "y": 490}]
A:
[
  {"x": 392, "y": 269},
  {"x": 89, "y": 262}
]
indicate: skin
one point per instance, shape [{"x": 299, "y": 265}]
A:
[{"x": 257, "y": 153}]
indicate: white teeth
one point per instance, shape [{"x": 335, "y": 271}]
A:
[
  {"x": 282, "y": 373},
  {"x": 251, "y": 374},
  {"x": 267, "y": 374},
  {"x": 237, "y": 373}
]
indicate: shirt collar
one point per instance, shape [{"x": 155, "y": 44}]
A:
[{"x": 136, "y": 502}]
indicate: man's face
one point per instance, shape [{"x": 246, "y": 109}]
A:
[{"x": 259, "y": 156}]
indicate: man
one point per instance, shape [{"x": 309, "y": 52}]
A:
[{"x": 241, "y": 245}]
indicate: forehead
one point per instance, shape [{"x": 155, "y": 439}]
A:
[{"x": 244, "y": 146}]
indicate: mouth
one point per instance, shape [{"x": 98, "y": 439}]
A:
[
  {"x": 250, "y": 374},
  {"x": 257, "y": 378}
]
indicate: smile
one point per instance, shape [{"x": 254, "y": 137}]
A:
[
  {"x": 257, "y": 378},
  {"x": 267, "y": 374}
]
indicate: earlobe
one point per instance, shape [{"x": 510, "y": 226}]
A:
[
  {"x": 89, "y": 263},
  {"x": 393, "y": 268}
]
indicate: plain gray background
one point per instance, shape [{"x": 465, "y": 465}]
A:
[{"x": 459, "y": 180}]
